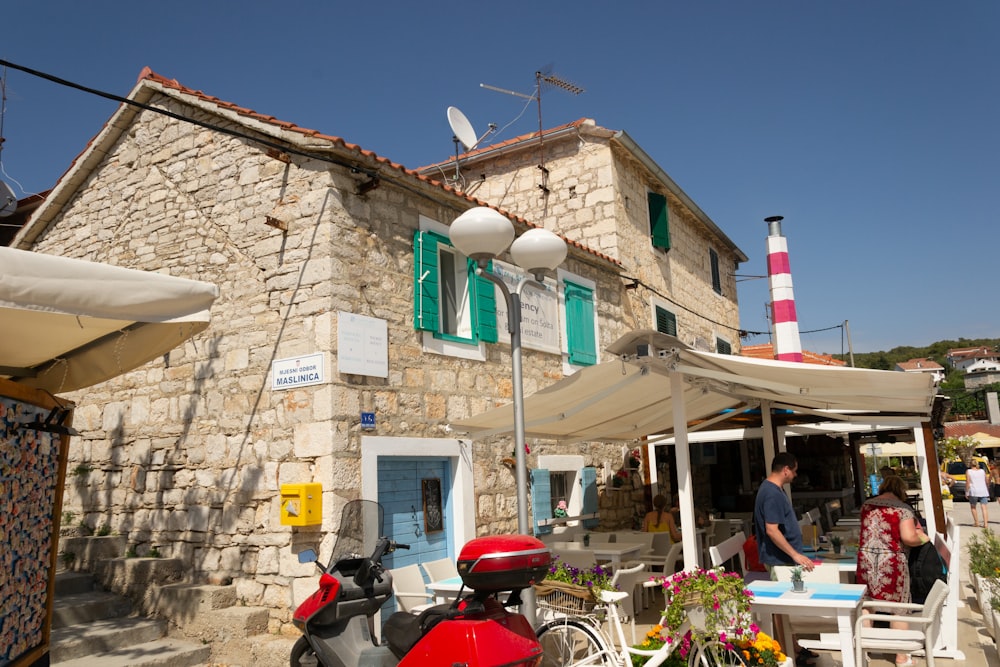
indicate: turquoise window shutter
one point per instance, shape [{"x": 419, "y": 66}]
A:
[
  {"x": 581, "y": 343},
  {"x": 485, "y": 298},
  {"x": 659, "y": 225},
  {"x": 666, "y": 322},
  {"x": 588, "y": 479},
  {"x": 426, "y": 281},
  {"x": 541, "y": 499}
]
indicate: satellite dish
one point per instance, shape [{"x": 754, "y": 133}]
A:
[
  {"x": 8, "y": 202},
  {"x": 462, "y": 128}
]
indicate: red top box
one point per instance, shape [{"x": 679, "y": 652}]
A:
[{"x": 503, "y": 562}]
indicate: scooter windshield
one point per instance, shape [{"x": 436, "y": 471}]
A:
[{"x": 359, "y": 530}]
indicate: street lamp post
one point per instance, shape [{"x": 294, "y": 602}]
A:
[{"x": 482, "y": 234}]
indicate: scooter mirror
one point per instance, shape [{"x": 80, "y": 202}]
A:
[{"x": 307, "y": 556}]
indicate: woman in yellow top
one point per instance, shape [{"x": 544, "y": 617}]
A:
[{"x": 660, "y": 520}]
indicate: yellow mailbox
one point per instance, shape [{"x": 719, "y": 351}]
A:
[{"x": 301, "y": 504}]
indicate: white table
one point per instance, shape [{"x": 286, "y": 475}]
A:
[
  {"x": 777, "y": 597},
  {"x": 611, "y": 551},
  {"x": 445, "y": 590}
]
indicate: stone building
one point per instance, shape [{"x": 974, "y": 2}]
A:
[
  {"x": 598, "y": 187},
  {"x": 324, "y": 254}
]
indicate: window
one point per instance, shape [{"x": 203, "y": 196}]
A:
[
  {"x": 581, "y": 339},
  {"x": 713, "y": 258},
  {"x": 666, "y": 322},
  {"x": 723, "y": 346},
  {"x": 578, "y": 488},
  {"x": 450, "y": 300},
  {"x": 659, "y": 225}
]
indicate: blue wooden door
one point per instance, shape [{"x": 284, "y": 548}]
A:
[{"x": 403, "y": 483}]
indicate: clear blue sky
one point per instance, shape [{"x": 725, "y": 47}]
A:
[{"x": 870, "y": 125}]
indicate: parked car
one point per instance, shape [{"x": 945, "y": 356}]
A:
[{"x": 956, "y": 470}]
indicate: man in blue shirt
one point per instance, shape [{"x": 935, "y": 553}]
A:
[{"x": 779, "y": 538}]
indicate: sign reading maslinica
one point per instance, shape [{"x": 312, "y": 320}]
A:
[{"x": 297, "y": 371}]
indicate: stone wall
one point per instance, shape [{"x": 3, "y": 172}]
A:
[
  {"x": 597, "y": 195},
  {"x": 186, "y": 455}
]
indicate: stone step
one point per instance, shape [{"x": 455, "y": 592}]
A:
[
  {"x": 225, "y": 625},
  {"x": 183, "y": 603},
  {"x": 257, "y": 651},
  {"x": 86, "y": 607},
  {"x": 159, "y": 653},
  {"x": 70, "y": 583},
  {"x": 84, "y": 639},
  {"x": 88, "y": 551}
]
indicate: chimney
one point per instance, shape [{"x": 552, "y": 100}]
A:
[
  {"x": 992, "y": 408},
  {"x": 785, "y": 323}
]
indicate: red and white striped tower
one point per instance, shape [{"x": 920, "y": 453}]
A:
[{"x": 787, "y": 345}]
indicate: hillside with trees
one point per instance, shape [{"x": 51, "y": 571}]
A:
[{"x": 965, "y": 404}]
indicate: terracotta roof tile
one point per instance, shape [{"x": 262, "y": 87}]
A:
[
  {"x": 921, "y": 364},
  {"x": 148, "y": 74},
  {"x": 766, "y": 351}
]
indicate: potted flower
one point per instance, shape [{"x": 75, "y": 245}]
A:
[
  {"x": 836, "y": 542},
  {"x": 572, "y": 589},
  {"x": 715, "y": 602},
  {"x": 620, "y": 478},
  {"x": 761, "y": 650},
  {"x": 797, "y": 584},
  {"x": 560, "y": 510},
  {"x": 634, "y": 459},
  {"x": 654, "y": 640}
]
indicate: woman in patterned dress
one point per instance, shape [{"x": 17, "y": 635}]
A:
[{"x": 888, "y": 527}]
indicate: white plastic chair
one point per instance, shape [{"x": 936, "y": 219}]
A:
[
  {"x": 926, "y": 616},
  {"x": 410, "y": 590},
  {"x": 628, "y": 579},
  {"x": 727, "y": 549},
  {"x": 438, "y": 570}
]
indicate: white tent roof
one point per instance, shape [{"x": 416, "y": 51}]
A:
[
  {"x": 631, "y": 398},
  {"x": 66, "y": 323},
  {"x": 660, "y": 386}
]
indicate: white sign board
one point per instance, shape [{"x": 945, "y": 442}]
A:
[
  {"x": 362, "y": 345},
  {"x": 539, "y": 310},
  {"x": 297, "y": 371}
]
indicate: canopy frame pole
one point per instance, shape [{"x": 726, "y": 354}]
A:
[{"x": 682, "y": 456}]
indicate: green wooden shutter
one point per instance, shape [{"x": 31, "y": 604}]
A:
[
  {"x": 723, "y": 347},
  {"x": 588, "y": 479},
  {"x": 541, "y": 499},
  {"x": 581, "y": 343},
  {"x": 659, "y": 226},
  {"x": 426, "y": 281},
  {"x": 666, "y": 322},
  {"x": 485, "y": 298},
  {"x": 713, "y": 258}
]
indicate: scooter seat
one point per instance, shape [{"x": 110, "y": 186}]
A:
[{"x": 403, "y": 630}]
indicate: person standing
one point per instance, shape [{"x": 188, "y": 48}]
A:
[
  {"x": 888, "y": 527},
  {"x": 779, "y": 538},
  {"x": 977, "y": 491},
  {"x": 995, "y": 480}
]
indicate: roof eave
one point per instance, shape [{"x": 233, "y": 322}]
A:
[{"x": 631, "y": 146}]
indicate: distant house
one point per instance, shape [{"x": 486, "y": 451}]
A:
[
  {"x": 982, "y": 372},
  {"x": 963, "y": 357},
  {"x": 923, "y": 365},
  {"x": 766, "y": 351}
]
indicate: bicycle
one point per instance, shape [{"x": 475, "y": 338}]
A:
[{"x": 575, "y": 637}]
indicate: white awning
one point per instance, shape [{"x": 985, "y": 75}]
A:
[
  {"x": 631, "y": 397},
  {"x": 66, "y": 324},
  {"x": 660, "y": 386}
]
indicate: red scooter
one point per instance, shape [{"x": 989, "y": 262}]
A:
[{"x": 476, "y": 630}]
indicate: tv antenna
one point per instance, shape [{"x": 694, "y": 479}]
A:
[
  {"x": 543, "y": 76},
  {"x": 8, "y": 202}
]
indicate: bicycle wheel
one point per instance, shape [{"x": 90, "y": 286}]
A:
[
  {"x": 568, "y": 642},
  {"x": 713, "y": 654}
]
